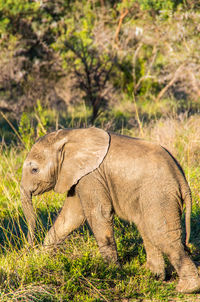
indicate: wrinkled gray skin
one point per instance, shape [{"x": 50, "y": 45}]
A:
[{"x": 110, "y": 174}]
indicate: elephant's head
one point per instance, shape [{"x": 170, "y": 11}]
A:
[{"x": 58, "y": 161}]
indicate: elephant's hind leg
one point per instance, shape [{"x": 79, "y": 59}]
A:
[
  {"x": 69, "y": 219},
  {"x": 189, "y": 281},
  {"x": 163, "y": 227}
]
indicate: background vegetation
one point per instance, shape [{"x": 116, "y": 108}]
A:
[{"x": 127, "y": 66}]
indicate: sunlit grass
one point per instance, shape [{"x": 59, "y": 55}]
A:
[{"x": 76, "y": 271}]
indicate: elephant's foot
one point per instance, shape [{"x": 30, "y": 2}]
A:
[
  {"x": 52, "y": 247},
  {"x": 109, "y": 254},
  {"x": 157, "y": 269},
  {"x": 190, "y": 285},
  {"x": 54, "y": 238}
]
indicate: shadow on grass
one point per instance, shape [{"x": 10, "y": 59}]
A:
[
  {"x": 13, "y": 232},
  {"x": 195, "y": 237},
  {"x": 6, "y": 133},
  {"x": 195, "y": 231}
]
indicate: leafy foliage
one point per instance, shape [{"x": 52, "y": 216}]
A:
[
  {"x": 92, "y": 72},
  {"x": 99, "y": 52}
]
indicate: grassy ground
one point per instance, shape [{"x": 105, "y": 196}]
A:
[{"x": 76, "y": 271}]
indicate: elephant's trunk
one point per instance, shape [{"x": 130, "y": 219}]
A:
[{"x": 26, "y": 199}]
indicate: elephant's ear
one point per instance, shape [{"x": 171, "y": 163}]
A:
[{"x": 82, "y": 152}]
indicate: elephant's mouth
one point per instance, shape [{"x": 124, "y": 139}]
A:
[{"x": 46, "y": 187}]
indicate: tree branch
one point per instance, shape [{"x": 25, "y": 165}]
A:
[{"x": 171, "y": 82}]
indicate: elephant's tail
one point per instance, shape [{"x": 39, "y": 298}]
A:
[{"x": 188, "y": 207}]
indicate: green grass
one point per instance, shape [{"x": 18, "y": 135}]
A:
[{"x": 76, "y": 271}]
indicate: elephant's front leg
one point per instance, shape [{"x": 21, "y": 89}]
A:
[
  {"x": 155, "y": 261},
  {"x": 102, "y": 228},
  {"x": 69, "y": 219},
  {"x": 104, "y": 234},
  {"x": 99, "y": 214}
]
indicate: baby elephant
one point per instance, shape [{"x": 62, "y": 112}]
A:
[{"x": 106, "y": 174}]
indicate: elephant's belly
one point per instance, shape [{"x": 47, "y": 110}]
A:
[{"x": 126, "y": 204}]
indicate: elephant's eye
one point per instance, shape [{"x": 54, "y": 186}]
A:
[{"x": 34, "y": 170}]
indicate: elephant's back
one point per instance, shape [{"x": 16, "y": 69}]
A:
[
  {"x": 131, "y": 146},
  {"x": 134, "y": 155},
  {"x": 138, "y": 171}
]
